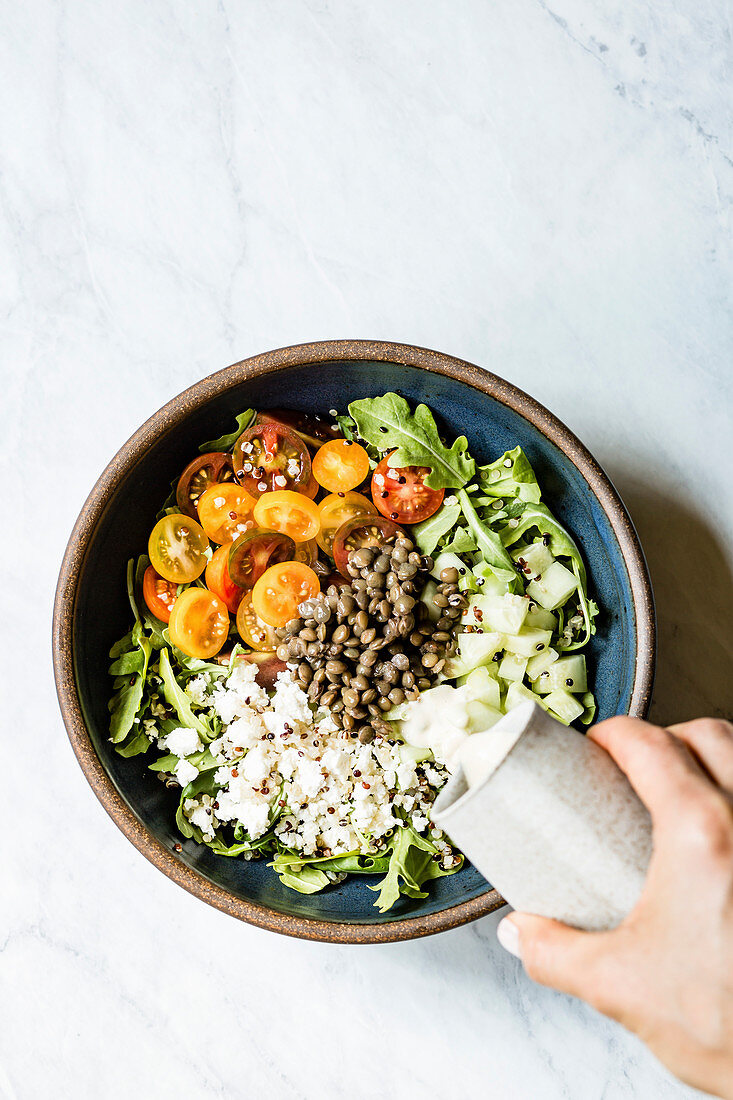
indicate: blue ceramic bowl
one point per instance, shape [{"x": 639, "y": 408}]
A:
[{"x": 90, "y": 613}]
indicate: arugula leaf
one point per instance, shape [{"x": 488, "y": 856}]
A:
[
  {"x": 489, "y": 543},
  {"x": 517, "y": 479},
  {"x": 135, "y": 743},
  {"x": 411, "y": 865},
  {"x": 127, "y": 702},
  {"x": 387, "y": 422},
  {"x": 428, "y": 534},
  {"x": 176, "y": 696},
  {"x": 462, "y": 542},
  {"x": 226, "y": 442}
]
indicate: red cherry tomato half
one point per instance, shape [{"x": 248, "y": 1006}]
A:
[
  {"x": 255, "y": 552},
  {"x": 198, "y": 476},
  {"x": 361, "y": 531},
  {"x": 400, "y": 493},
  {"x": 219, "y": 581},
  {"x": 269, "y": 457},
  {"x": 159, "y": 594}
]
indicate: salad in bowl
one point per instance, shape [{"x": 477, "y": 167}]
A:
[{"x": 327, "y": 607}]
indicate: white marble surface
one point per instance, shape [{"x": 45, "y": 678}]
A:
[{"x": 542, "y": 188}]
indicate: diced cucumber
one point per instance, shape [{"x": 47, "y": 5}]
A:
[
  {"x": 545, "y": 620},
  {"x": 411, "y": 754},
  {"x": 481, "y": 716},
  {"x": 480, "y": 684},
  {"x": 541, "y": 662},
  {"x": 553, "y": 588},
  {"x": 476, "y": 649},
  {"x": 537, "y": 556},
  {"x": 427, "y": 596},
  {"x": 517, "y": 693},
  {"x": 512, "y": 667},
  {"x": 563, "y": 705},
  {"x": 490, "y": 585},
  {"x": 568, "y": 674},
  {"x": 448, "y": 560},
  {"x": 504, "y": 614},
  {"x": 528, "y": 641}
]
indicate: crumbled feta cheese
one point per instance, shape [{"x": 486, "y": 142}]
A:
[
  {"x": 196, "y": 689},
  {"x": 185, "y": 772},
  {"x": 182, "y": 741}
]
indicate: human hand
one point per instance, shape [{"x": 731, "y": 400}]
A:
[{"x": 666, "y": 972}]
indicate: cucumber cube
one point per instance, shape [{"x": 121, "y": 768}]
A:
[
  {"x": 475, "y": 649},
  {"x": 411, "y": 754},
  {"x": 528, "y": 642},
  {"x": 504, "y": 614},
  {"x": 481, "y": 685},
  {"x": 517, "y": 693},
  {"x": 553, "y": 588},
  {"x": 481, "y": 716},
  {"x": 537, "y": 556},
  {"x": 541, "y": 662},
  {"x": 563, "y": 705},
  {"x": 512, "y": 667},
  {"x": 427, "y": 596},
  {"x": 568, "y": 674},
  {"x": 448, "y": 560},
  {"x": 545, "y": 620},
  {"x": 490, "y": 585}
]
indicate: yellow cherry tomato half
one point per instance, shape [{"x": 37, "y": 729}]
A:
[
  {"x": 334, "y": 510},
  {"x": 340, "y": 465},
  {"x": 225, "y": 511},
  {"x": 199, "y": 623},
  {"x": 177, "y": 548},
  {"x": 281, "y": 590},
  {"x": 252, "y": 630},
  {"x": 291, "y": 513}
]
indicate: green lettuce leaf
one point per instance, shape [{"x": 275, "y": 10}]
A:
[
  {"x": 411, "y": 865},
  {"x": 226, "y": 442},
  {"x": 488, "y": 542},
  {"x": 514, "y": 480},
  {"x": 177, "y": 698},
  {"x": 428, "y": 534},
  {"x": 387, "y": 423}
]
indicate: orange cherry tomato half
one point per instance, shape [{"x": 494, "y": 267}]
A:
[
  {"x": 199, "y": 623},
  {"x": 400, "y": 493},
  {"x": 291, "y": 513},
  {"x": 159, "y": 594},
  {"x": 311, "y": 489},
  {"x": 225, "y": 511},
  {"x": 334, "y": 510},
  {"x": 282, "y": 589},
  {"x": 340, "y": 465},
  {"x": 218, "y": 580},
  {"x": 253, "y": 631},
  {"x": 177, "y": 548}
]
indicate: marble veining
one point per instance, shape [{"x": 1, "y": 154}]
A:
[{"x": 543, "y": 188}]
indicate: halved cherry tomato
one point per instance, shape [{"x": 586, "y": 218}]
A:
[
  {"x": 292, "y": 513},
  {"x": 253, "y": 553},
  {"x": 225, "y": 511},
  {"x": 307, "y": 552},
  {"x": 282, "y": 589},
  {"x": 400, "y": 492},
  {"x": 159, "y": 594},
  {"x": 311, "y": 489},
  {"x": 334, "y": 510},
  {"x": 176, "y": 548},
  {"x": 268, "y": 457},
  {"x": 361, "y": 531},
  {"x": 313, "y": 430},
  {"x": 220, "y": 582},
  {"x": 199, "y": 623},
  {"x": 252, "y": 630},
  {"x": 340, "y": 465},
  {"x": 269, "y": 668},
  {"x": 198, "y": 476}
]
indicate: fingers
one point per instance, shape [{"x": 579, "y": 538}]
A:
[
  {"x": 711, "y": 741},
  {"x": 658, "y": 765},
  {"x": 552, "y": 953}
]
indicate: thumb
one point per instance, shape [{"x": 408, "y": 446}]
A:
[{"x": 552, "y": 953}]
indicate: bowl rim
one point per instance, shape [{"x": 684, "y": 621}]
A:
[{"x": 170, "y": 416}]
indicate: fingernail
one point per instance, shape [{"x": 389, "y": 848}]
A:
[{"x": 507, "y": 934}]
